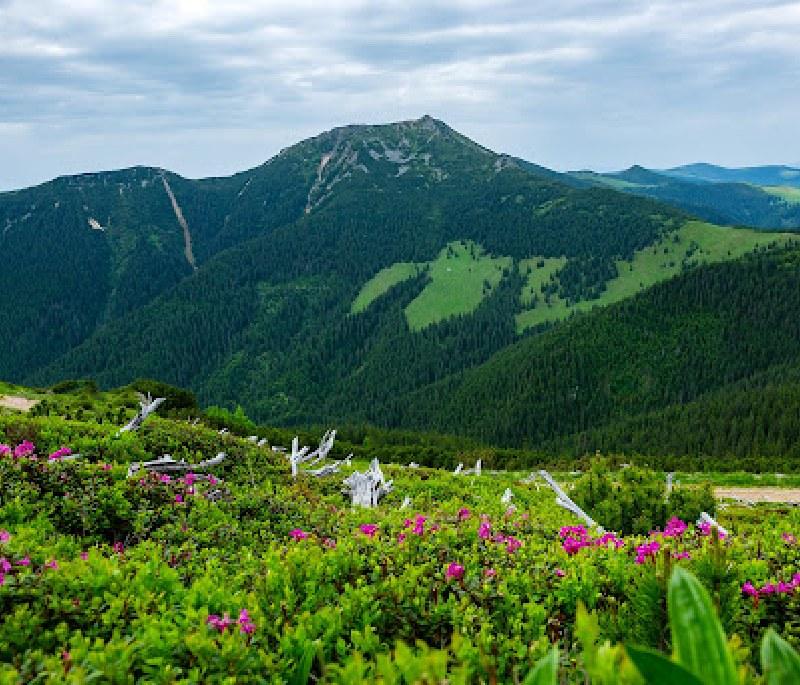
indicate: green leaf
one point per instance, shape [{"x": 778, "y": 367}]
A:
[
  {"x": 657, "y": 669},
  {"x": 779, "y": 660},
  {"x": 697, "y": 636},
  {"x": 545, "y": 671}
]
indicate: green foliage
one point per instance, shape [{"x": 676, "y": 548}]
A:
[{"x": 635, "y": 499}]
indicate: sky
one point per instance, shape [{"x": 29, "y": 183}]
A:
[{"x": 208, "y": 88}]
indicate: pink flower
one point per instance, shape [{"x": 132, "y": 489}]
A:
[
  {"x": 5, "y": 565},
  {"x": 705, "y": 529},
  {"x": 749, "y": 589},
  {"x": 105, "y": 467},
  {"x": 419, "y": 525},
  {"x": 789, "y": 539},
  {"x": 5, "y": 536},
  {"x": 84, "y": 556},
  {"x": 490, "y": 573},
  {"x": 24, "y": 449},
  {"x": 246, "y": 626},
  {"x": 25, "y": 561},
  {"x": 2, "y": 579},
  {"x": 647, "y": 551},
  {"x": 401, "y": 537},
  {"x": 52, "y": 564},
  {"x": 768, "y": 589},
  {"x": 674, "y": 528},
  {"x": 118, "y": 547},
  {"x": 164, "y": 478},
  {"x": 454, "y": 572},
  {"x": 609, "y": 538},
  {"x": 512, "y": 544},
  {"x": 212, "y": 480},
  {"x": 330, "y": 543},
  {"x": 785, "y": 588},
  {"x": 368, "y": 529},
  {"x": 298, "y": 534},
  {"x": 190, "y": 478},
  {"x": 59, "y": 453},
  {"x": 4, "y": 450},
  {"x": 682, "y": 555},
  {"x": 463, "y": 514},
  {"x": 560, "y": 573},
  {"x": 485, "y": 530},
  {"x": 219, "y": 623},
  {"x": 178, "y": 499}
]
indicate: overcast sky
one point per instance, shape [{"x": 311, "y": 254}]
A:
[{"x": 211, "y": 87}]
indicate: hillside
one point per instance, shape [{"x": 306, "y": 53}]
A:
[
  {"x": 354, "y": 268},
  {"x": 761, "y": 197},
  {"x": 670, "y": 345}
]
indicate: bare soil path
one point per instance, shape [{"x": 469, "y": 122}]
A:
[
  {"x": 19, "y": 403},
  {"x": 765, "y": 494}
]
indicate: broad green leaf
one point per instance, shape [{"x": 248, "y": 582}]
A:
[
  {"x": 697, "y": 636},
  {"x": 545, "y": 671},
  {"x": 779, "y": 660},
  {"x": 657, "y": 669}
]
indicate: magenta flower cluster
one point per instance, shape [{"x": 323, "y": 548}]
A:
[
  {"x": 60, "y": 453},
  {"x": 575, "y": 538},
  {"x": 246, "y": 626},
  {"x": 454, "y": 571},
  {"x": 779, "y": 588}
]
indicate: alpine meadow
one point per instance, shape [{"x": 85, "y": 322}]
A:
[{"x": 505, "y": 395}]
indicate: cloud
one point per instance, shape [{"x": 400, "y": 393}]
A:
[{"x": 86, "y": 84}]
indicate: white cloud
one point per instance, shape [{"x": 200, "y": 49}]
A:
[{"x": 568, "y": 83}]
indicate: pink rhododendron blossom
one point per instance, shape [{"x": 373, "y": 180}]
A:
[
  {"x": 24, "y": 449},
  {"x": 298, "y": 534},
  {"x": 118, "y": 547},
  {"x": 178, "y": 499},
  {"x": 219, "y": 623},
  {"x": 490, "y": 573},
  {"x": 164, "y": 478},
  {"x": 105, "y": 467},
  {"x": 463, "y": 514},
  {"x": 705, "y": 529},
  {"x": 5, "y": 536},
  {"x": 52, "y": 564},
  {"x": 5, "y": 565},
  {"x": 485, "y": 530},
  {"x": 647, "y": 551},
  {"x": 4, "y": 450},
  {"x": 190, "y": 478},
  {"x": 419, "y": 525},
  {"x": 246, "y": 626},
  {"x": 560, "y": 573},
  {"x": 682, "y": 555},
  {"x": 330, "y": 543},
  {"x": 368, "y": 529},
  {"x": 454, "y": 572},
  {"x": 84, "y": 556},
  {"x": 609, "y": 539},
  {"x": 401, "y": 537},
  {"x": 789, "y": 539},
  {"x": 60, "y": 453},
  {"x": 512, "y": 544},
  {"x": 25, "y": 561},
  {"x": 749, "y": 589},
  {"x": 213, "y": 481}
]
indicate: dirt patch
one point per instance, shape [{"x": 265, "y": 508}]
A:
[
  {"x": 788, "y": 495},
  {"x": 18, "y": 403}
]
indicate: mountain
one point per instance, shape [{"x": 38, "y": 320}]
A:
[
  {"x": 352, "y": 271},
  {"x": 771, "y": 175},
  {"x": 714, "y": 197}
]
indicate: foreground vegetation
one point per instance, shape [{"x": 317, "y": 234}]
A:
[{"x": 146, "y": 579}]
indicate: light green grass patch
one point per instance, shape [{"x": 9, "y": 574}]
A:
[
  {"x": 381, "y": 282},
  {"x": 694, "y": 243},
  {"x": 461, "y": 277},
  {"x": 539, "y": 270},
  {"x": 786, "y": 193}
]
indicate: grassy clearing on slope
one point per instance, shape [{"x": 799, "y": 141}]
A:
[
  {"x": 696, "y": 242},
  {"x": 381, "y": 282},
  {"x": 539, "y": 271},
  {"x": 787, "y": 193},
  {"x": 461, "y": 276}
]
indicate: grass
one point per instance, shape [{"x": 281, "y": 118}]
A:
[
  {"x": 381, "y": 283},
  {"x": 538, "y": 275},
  {"x": 787, "y": 193},
  {"x": 461, "y": 277},
  {"x": 694, "y": 243}
]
